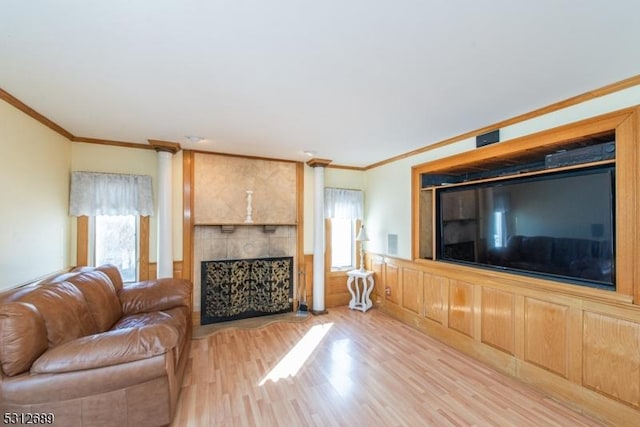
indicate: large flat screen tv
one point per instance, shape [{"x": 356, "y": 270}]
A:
[{"x": 557, "y": 225}]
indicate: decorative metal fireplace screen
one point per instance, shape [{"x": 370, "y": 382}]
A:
[{"x": 237, "y": 289}]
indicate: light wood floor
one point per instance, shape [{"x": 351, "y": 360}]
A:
[{"x": 367, "y": 370}]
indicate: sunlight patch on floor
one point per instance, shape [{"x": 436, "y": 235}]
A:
[
  {"x": 340, "y": 371},
  {"x": 291, "y": 363}
]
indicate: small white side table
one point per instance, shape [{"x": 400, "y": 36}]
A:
[{"x": 360, "y": 300}]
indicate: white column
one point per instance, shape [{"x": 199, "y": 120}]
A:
[
  {"x": 318, "y": 235},
  {"x": 165, "y": 233},
  {"x": 318, "y": 240}
]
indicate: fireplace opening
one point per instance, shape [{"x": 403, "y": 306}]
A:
[{"x": 242, "y": 288}]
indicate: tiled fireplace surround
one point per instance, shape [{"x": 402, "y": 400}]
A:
[
  {"x": 246, "y": 241},
  {"x": 220, "y": 200}
]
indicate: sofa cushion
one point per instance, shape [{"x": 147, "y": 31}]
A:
[
  {"x": 65, "y": 312},
  {"x": 23, "y": 337},
  {"x": 113, "y": 273},
  {"x": 101, "y": 297},
  {"x": 176, "y": 317},
  {"x": 155, "y": 295},
  {"x": 107, "y": 349}
]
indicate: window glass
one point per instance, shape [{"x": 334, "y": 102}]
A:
[
  {"x": 342, "y": 243},
  {"x": 115, "y": 242}
]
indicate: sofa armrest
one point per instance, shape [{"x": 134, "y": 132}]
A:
[
  {"x": 107, "y": 349},
  {"x": 155, "y": 295}
]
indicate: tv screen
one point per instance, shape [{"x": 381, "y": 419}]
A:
[{"x": 558, "y": 225}]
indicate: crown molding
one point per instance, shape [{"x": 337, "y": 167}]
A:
[
  {"x": 318, "y": 163},
  {"x": 12, "y": 100},
  {"x": 596, "y": 93},
  {"x": 111, "y": 142},
  {"x": 167, "y": 146}
]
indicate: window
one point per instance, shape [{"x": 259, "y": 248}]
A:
[
  {"x": 342, "y": 243},
  {"x": 343, "y": 209},
  {"x": 115, "y": 241},
  {"x": 109, "y": 208}
]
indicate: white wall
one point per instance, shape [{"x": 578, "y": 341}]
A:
[
  {"x": 388, "y": 187},
  {"x": 34, "y": 221}
]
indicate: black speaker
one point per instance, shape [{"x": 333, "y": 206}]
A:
[{"x": 488, "y": 138}]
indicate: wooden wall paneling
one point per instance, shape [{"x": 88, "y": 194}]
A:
[
  {"x": 178, "y": 268},
  {"x": 546, "y": 335},
  {"x": 632, "y": 133},
  {"x": 627, "y": 204},
  {"x": 567, "y": 388},
  {"x": 476, "y": 313},
  {"x": 612, "y": 357},
  {"x": 392, "y": 288},
  {"x": 145, "y": 236},
  {"x": 434, "y": 290},
  {"x": 416, "y": 225},
  {"x": 547, "y": 138},
  {"x": 445, "y": 293},
  {"x": 498, "y": 319},
  {"x": 518, "y": 326},
  {"x": 575, "y": 344},
  {"x": 412, "y": 293},
  {"x": 187, "y": 217},
  {"x": 336, "y": 291},
  {"x": 461, "y": 304},
  {"x": 82, "y": 240},
  {"x": 378, "y": 268}
]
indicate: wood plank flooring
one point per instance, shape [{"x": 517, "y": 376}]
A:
[{"x": 367, "y": 370}]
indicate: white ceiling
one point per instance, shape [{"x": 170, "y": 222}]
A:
[{"x": 356, "y": 81}]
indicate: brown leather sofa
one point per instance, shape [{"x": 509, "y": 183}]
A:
[{"x": 90, "y": 351}]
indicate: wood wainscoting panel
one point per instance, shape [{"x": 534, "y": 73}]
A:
[
  {"x": 378, "y": 267},
  {"x": 612, "y": 357},
  {"x": 392, "y": 288},
  {"x": 498, "y": 316},
  {"x": 461, "y": 307},
  {"x": 546, "y": 336},
  {"x": 336, "y": 291},
  {"x": 412, "y": 290},
  {"x": 435, "y": 291}
]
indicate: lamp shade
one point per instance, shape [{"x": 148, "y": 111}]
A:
[{"x": 362, "y": 235}]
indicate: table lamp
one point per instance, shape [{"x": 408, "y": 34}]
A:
[{"x": 362, "y": 237}]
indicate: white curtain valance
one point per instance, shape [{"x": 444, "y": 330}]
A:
[
  {"x": 345, "y": 204},
  {"x": 95, "y": 193}
]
